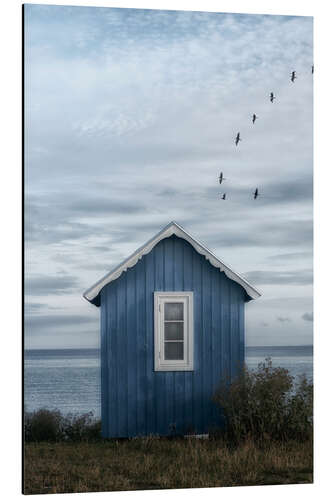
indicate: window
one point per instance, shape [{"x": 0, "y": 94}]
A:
[{"x": 173, "y": 331}]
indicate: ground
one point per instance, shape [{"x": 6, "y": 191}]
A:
[{"x": 151, "y": 463}]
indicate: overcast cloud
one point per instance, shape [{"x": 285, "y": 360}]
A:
[{"x": 130, "y": 117}]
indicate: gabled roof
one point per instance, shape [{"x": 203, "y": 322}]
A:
[{"x": 92, "y": 294}]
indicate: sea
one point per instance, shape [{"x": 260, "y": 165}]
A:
[{"x": 69, "y": 379}]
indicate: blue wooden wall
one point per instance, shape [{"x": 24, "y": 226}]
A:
[{"x": 136, "y": 400}]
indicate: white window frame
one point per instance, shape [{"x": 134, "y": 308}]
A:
[{"x": 161, "y": 364}]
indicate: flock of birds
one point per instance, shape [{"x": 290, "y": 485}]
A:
[{"x": 221, "y": 178}]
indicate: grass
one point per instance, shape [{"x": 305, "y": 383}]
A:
[{"x": 152, "y": 463}]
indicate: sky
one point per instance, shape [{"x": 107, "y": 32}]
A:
[{"x": 130, "y": 116}]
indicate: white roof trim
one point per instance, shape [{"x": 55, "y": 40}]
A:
[{"x": 169, "y": 230}]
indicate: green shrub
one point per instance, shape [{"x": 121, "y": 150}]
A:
[
  {"x": 43, "y": 425},
  {"x": 264, "y": 404},
  {"x": 81, "y": 427},
  {"x": 300, "y": 410},
  {"x": 51, "y": 425}
]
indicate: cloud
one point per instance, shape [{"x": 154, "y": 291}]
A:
[
  {"x": 33, "y": 307},
  {"x": 132, "y": 114},
  {"x": 283, "y": 320},
  {"x": 291, "y": 256},
  {"x": 53, "y": 219},
  {"x": 50, "y": 285},
  {"x": 284, "y": 233},
  {"x": 274, "y": 192},
  {"x": 308, "y": 316},
  {"x": 106, "y": 206},
  {"x": 301, "y": 277},
  {"x": 44, "y": 322}
]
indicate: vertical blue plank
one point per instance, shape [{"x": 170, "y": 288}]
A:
[
  {"x": 104, "y": 366},
  {"x": 169, "y": 284},
  {"x": 122, "y": 364},
  {"x": 179, "y": 388},
  {"x": 159, "y": 266},
  {"x": 234, "y": 331},
  {"x": 112, "y": 358},
  {"x": 207, "y": 343},
  {"x": 132, "y": 355},
  {"x": 211, "y": 344},
  {"x": 241, "y": 330},
  {"x": 159, "y": 386},
  {"x": 216, "y": 339},
  {"x": 142, "y": 352},
  {"x": 188, "y": 286},
  {"x": 216, "y": 328},
  {"x": 151, "y": 402},
  {"x": 197, "y": 378},
  {"x": 178, "y": 254},
  {"x": 225, "y": 306}
]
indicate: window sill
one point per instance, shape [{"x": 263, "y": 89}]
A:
[{"x": 174, "y": 368}]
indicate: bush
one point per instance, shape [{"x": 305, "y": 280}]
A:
[
  {"x": 264, "y": 404},
  {"x": 300, "y": 410},
  {"x": 51, "y": 425},
  {"x": 81, "y": 427},
  {"x": 43, "y": 425}
]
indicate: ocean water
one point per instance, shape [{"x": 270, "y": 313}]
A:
[
  {"x": 69, "y": 379},
  {"x": 297, "y": 359},
  {"x": 66, "y": 379}
]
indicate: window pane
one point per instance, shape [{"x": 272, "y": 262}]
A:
[
  {"x": 173, "y": 331},
  {"x": 173, "y": 350},
  {"x": 173, "y": 311}
]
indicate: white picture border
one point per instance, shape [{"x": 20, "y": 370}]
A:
[{"x": 11, "y": 146}]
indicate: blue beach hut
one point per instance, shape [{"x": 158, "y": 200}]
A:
[{"x": 172, "y": 325}]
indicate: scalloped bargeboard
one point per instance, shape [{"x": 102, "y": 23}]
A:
[{"x": 92, "y": 294}]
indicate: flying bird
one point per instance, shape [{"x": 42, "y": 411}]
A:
[
  {"x": 272, "y": 97},
  {"x": 293, "y": 76},
  {"x": 221, "y": 178},
  {"x": 237, "y": 139},
  {"x": 256, "y": 194},
  {"x": 254, "y": 117},
  {"x": 223, "y": 196}
]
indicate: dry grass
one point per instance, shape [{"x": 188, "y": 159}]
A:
[{"x": 151, "y": 463}]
